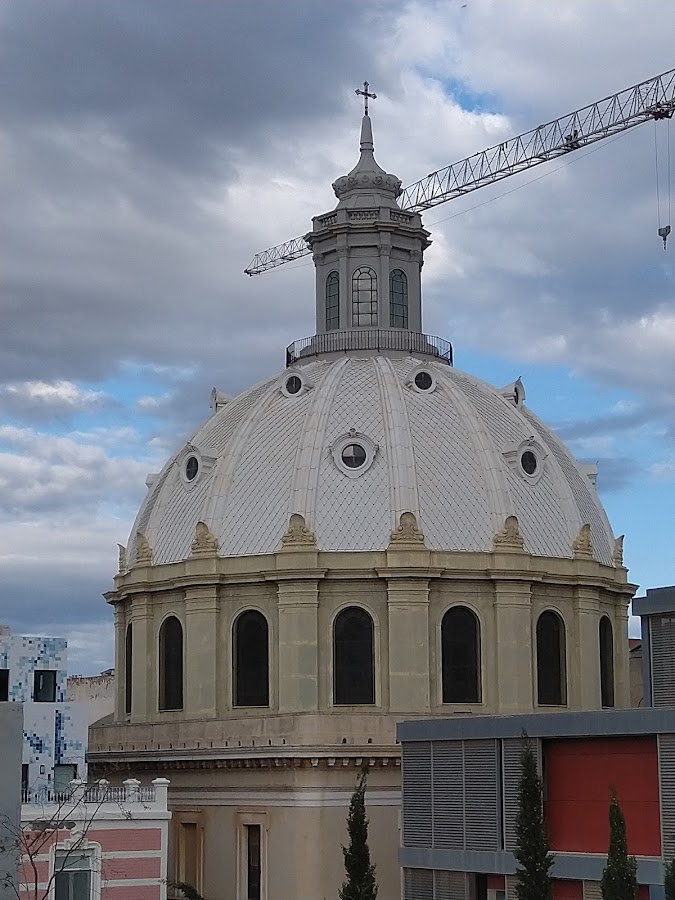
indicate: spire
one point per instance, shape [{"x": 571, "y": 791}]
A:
[
  {"x": 366, "y": 134},
  {"x": 367, "y": 177}
]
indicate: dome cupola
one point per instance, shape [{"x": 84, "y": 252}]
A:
[{"x": 367, "y": 182}]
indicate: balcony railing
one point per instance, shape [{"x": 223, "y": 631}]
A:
[{"x": 370, "y": 339}]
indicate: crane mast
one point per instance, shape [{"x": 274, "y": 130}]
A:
[{"x": 652, "y": 99}]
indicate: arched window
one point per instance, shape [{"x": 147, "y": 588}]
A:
[
  {"x": 606, "y": 662},
  {"x": 364, "y": 297},
  {"x": 398, "y": 299},
  {"x": 551, "y": 674},
  {"x": 460, "y": 654},
  {"x": 251, "y": 660},
  {"x": 332, "y": 301},
  {"x": 353, "y": 657},
  {"x": 171, "y": 664},
  {"x": 128, "y": 667}
]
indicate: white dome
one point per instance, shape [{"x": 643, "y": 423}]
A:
[{"x": 452, "y": 455}]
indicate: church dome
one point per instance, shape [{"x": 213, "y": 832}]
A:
[{"x": 353, "y": 441}]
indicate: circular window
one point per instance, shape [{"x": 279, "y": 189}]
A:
[
  {"x": 424, "y": 381},
  {"x": 529, "y": 462},
  {"x": 293, "y": 384},
  {"x": 354, "y": 456},
  {"x": 191, "y": 468}
]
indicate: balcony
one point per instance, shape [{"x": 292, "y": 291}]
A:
[{"x": 373, "y": 339}]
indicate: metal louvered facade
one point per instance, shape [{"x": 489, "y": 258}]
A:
[
  {"x": 592, "y": 890},
  {"x": 662, "y": 659},
  {"x": 416, "y": 789},
  {"x": 666, "y": 745},
  {"x": 418, "y": 884},
  {"x": 510, "y": 778}
]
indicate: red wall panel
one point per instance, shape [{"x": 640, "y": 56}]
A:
[
  {"x": 568, "y": 890},
  {"x": 579, "y": 775}
]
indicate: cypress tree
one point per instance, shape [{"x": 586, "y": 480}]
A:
[
  {"x": 360, "y": 882},
  {"x": 619, "y": 877},
  {"x": 669, "y": 880},
  {"x": 533, "y": 878}
]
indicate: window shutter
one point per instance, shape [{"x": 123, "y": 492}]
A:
[{"x": 416, "y": 788}]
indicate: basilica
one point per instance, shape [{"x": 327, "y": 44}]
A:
[{"x": 368, "y": 537}]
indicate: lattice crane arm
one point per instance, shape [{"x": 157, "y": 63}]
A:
[{"x": 651, "y": 99}]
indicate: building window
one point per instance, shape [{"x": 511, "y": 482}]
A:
[
  {"x": 606, "y": 662},
  {"x": 128, "y": 667},
  {"x": 44, "y": 686},
  {"x": 551, "y": 674},
  {"x": 353, "y": 657},
  {"x": 460, "y": 654},
  {"x": 171, "y": 664},
  {"x": 398, "y": 299},
  {"x": 253, "y": 862},
  {"x": 189, "y": 856},
  {"x": 251, "y": 660},
  {"x": 332, "y": 301},
  {"x": 4, "y": 684},
  {"x": 72, "y": 875},
  {"x": 364, "y": 297}
]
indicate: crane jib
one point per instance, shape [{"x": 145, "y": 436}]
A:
[{"x": 653, "y": 99}]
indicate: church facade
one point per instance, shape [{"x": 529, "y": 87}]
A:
[{"x": 367, "y": 537}]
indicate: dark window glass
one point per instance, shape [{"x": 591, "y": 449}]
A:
[
  {"x": 460, "y": 650},
  {"x": 128, "y": 667},
  {"x": 606, "y": 662},
  {"x": 253, "y": 862},
  {"x": 191, "y": 468},
  {"x": 293, "y": 384},
  {"x": 353, "y": 659},
  {"x": 398, "y": 299},
  {"x": 529, "y": 462},
  {"x": 171, "y": 664},
  {"x": 44, "y": 686},
  {"x": 364, "y": 297},
  {"x": 251, "y": 656},
  {"x": 551, "y": 675},
  {"x": 24, "y": 782},
  {"x": 332, "y": 302},
  {"x": 4, "y": 684},
  {"x": 424, "y": 381},
  {"x": 354, "y": 456}
]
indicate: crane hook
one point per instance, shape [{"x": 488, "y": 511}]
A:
[{"x": 663, "y": 233}]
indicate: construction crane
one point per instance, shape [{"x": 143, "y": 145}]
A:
[{"x": 649, "y": 100}]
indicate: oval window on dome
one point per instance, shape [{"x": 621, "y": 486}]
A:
[
  {"x": 529, "y": 462},
  {"x": 424, "y": 381},
  {"x": 191, "y": 468},
  {"x": 354, "y": 456},
  {"x": 293, "y": 384}
]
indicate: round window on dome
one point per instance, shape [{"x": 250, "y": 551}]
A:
[
  {"x": 293, "y": 384},
  {"x": 354, "y": 456},
  {"x": 191, "y": 468},
  {"x": 529, "y": 462},
  {"x": 424, "y": 381}
]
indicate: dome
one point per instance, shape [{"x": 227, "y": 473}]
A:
[{"x": 351, "y": 442}]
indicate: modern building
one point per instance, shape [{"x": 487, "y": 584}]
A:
[
  {"x": 33, "y": 672},
  {"x": 96, "y": 691},
  {"x": 657, "y": 613},
  {"x": 11, "y": 745},
  {"x": 460, "y": 800},
  {"x": 96, "y": 842},
  {"x": 369, "y": 536}
]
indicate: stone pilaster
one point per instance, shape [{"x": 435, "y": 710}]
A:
[
  {"x": 298, "y": 605},
  {"x": 513, "y": 648},
  {"x": 120, "y": 668},
  {"x": 583, "y": 654},
  {"x": 408, "y": 626},
  {"x": 201, "y": 650},
  {"x": 144, "y": 660}
]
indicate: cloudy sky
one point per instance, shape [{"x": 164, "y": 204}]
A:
[{"x": 149, "y": 147}]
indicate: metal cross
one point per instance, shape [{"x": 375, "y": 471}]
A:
[{"x": 365, "y": 94}]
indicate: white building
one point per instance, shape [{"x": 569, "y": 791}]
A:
[{"x": 368, "y": 536}]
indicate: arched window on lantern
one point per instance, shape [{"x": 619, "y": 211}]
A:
[
  {"x": 353, "y": 657},
  {"x": 171, "y": 664},
  {"x": 398, "y": 299},
  {"x": 551, "y": 672},
  {"x": 332, "y": 301},
  {"x": 460, "y": 655},
  {"x": 128, "y": 667},
  {"x": 364, "y": 297},
  {"x": 606, "y": 636},
  {"x": 251, "y": 660}
]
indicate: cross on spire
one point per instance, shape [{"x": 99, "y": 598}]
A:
[{"x": 365, "y": 94}]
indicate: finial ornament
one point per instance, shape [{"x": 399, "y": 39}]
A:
[
  {"x": 582, "y": 545},
  {"x": 365, "y": 93},
  {"x": 121, "y": 559},
  {"x": 143, "y": 550},
  {"x": 205, "y": 542},
  {"x": 407, "y": 531},
  {"x": 298, "y": 536},
  {"x": 509, "y": 537},
  {"x": 618, "y": 550}
]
